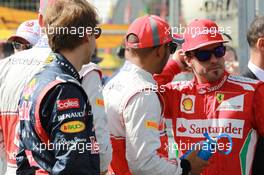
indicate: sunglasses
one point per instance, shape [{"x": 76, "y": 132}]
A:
[
  {"x": 21, "y": 46},
  {"x": 172, "y": 46},
  {"x": 205, "y": 55}
]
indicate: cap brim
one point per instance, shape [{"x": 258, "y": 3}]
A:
[
  {"x": 15, "y": 38},
  {"x": 206, "y": 44}
]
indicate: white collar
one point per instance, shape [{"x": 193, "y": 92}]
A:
[
  {"x": 256, "y": 70},
  {"x": 128, "y": 66}
]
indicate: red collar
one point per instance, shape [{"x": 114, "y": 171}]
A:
[{"x": 203, "y": 88}]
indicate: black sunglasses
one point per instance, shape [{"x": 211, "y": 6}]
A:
[
  {"x": 205, "y": 55},
  {"x": 21, "y": 46},
  {"x": 173, "y": 47}
]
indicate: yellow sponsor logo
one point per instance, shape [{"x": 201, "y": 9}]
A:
[
  {"x": 152, "y": 125},
  {"x": 29, "y": 89},
  {"x": 72, "y": 127},
  {"x": 49, "y": 59},
  {"x": 187, "y": 104},
  {"x": 99, "y": 102},
  {"x": 220, "y": 97}
]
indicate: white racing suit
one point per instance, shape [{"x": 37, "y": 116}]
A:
[
  {"x": 134, "y": 110},
  {"x": 92, "y": 83},
  {"x": 16, "y": 71}
]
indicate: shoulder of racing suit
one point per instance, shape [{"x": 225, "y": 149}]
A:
[
  {"x": 245, "y": 83},
  {"x": 87, "y": 68},
  {"x": 181, "y": 85},
  {"x": 129, "y": 82}
]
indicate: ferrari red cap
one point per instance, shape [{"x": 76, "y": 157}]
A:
[{"x": 200, "y": 33}]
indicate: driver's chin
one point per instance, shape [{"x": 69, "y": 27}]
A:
[{"x": 214, "y": 75}]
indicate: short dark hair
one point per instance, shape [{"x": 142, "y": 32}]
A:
[
  {"x": 68, "y": 15},
  {"x": 255, "y": 31}
]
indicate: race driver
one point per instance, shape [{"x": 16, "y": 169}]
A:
[
  {"x": 213, "y": 102},
  {"x": 16, "y": 71},
  {"x": 56, "y": 122},
  {"x": 134, "y": 106}
]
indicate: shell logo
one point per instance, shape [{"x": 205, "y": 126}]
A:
[{"x": 187, "y": 104}]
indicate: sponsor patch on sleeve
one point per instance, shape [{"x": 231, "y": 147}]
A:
[
  {"x": 72, "y": 127},
  {"x": 152, "y": 124},
  {"x": 99, "y": 102}
]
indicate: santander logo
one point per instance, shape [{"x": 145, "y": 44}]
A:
[
  {"x": 182, "y": 128},
  {"x": 214, "y": 127}
]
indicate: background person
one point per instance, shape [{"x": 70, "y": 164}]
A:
[
  {"x": 231, "y": 61},
  {"x": 6, "y": 49},
  {"x": 255, "y": 70},
  {"x": 27, "y": 35}
]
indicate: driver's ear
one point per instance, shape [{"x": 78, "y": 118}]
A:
[
  {"x": 260, "y": 44},
  {"x": 87, "y": 37},
  {"x": 159, "y": 51}
]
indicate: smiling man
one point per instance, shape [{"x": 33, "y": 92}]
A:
[{"x": 213, "y": 99}]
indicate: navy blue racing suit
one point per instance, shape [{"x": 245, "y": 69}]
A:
[{"x": 56, "y": 124}]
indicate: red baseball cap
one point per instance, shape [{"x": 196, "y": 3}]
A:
[
  {"x": 200, "y": 33},
  {"x": 151, "y": 31}
]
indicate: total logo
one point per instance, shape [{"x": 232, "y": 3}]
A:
[
  {"x": 68, "y": 104},
  {"x": 214, "y": 127}
]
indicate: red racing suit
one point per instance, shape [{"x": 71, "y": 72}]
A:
[{"x": 233, "y": 105}]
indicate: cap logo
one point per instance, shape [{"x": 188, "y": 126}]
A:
[
  {"x": 204, "y": 31},
  {"x": 29, "y": 24}
]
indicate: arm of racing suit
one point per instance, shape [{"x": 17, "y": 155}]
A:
[
  {"x": 92, "y": 85},
  {"x": 66, "y": 117},
  {"x": 166, "y": 88},
  {"x": 141, "y": 117},
  {"x": 258, "y": 109},
  {"x": 168, "y": 73},
  {"x": 3, "y": 161}
]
